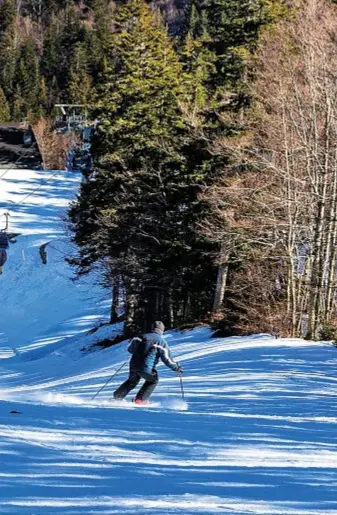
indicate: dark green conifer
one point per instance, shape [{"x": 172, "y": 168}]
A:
[
  {"x": 27, "y": 78},
  {"x": 7, "y": 46},
  {"x": 79, "y": 80},
  {"x": 19, "y": 110},
  {"x": 139, "y": 214},
  {"x": 143, "y": 80},
  {"x": 66, "y": 34},
  {"x": 223, "y": 35},
  {"x": 4, "y": 107}
]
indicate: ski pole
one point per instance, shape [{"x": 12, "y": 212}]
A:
[
  {"x": 181, "y": 386},
  {"x": 108, "y": 381}
]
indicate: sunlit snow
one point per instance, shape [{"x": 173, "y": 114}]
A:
[{"x": 256, "y": 434}]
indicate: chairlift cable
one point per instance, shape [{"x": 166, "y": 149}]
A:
[
  {"x": 36, "y": 189},
  {"x": 58, "y": 250}
]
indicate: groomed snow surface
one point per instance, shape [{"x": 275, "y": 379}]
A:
[{"x": 258, "y": 434}]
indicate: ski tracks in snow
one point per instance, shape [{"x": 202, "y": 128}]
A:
[{"x": 259, "y": 435}]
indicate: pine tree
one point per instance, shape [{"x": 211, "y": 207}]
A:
[
  {"x": 7, "y": 46},
  {"x": 79, "y": 80},
  {"x": 7, "y": 19},
  {"x": 19, "y": 109},
  {"x": 223, "y": 35},
  {"x": 66, "y": 34},
  {"x": 103, "y": 23},
  {"x": 4, "y": 108},
  {"x": 137, "y": 215},
  {"x": 43, "y": 98},
  {"x": 142, "y": 82},
  {"x": 27, "y": 78}
]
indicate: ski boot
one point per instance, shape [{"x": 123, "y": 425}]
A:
[{"x": 140, "y": 402}]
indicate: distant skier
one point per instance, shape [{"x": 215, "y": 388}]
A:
[
  {"x": 146, "y": 352},
  {"x": 4, "y": 244}
]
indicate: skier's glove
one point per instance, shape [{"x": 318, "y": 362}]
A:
[{"x": 180, "y": 369}]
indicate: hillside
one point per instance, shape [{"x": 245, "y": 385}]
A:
[{"x": 209, "y": 132}]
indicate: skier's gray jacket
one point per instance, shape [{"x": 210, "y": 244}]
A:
[{"x": 148, "y": 350}]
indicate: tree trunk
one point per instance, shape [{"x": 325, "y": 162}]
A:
[
  {"x": 221, "y": 279},
  {"x": 115, "y": 302},
  {"x": 130, "y": 308},
  {"x": 170, "y": 309}
]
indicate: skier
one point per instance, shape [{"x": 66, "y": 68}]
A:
[
  {"x": 146, "y": 352},
  {"x": 3, "y": 248}
]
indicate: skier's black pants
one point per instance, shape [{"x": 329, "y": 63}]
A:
[{"x": 151, "y": 381}]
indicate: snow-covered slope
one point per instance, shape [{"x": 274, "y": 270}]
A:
[
  {"x": 258, "y": 437},
  {"x": 39, "y": 303}
]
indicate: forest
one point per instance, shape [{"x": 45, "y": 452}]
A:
[{"x": 214, "y": 193}]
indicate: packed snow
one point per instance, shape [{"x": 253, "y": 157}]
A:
[
  {"x": 41, "y": 305},
  {"x": 256, "y": 433}
]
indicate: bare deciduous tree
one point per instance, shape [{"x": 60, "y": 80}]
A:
[
  {"x": 53, "y": 147},
  {"x": 285, "y": 202}
]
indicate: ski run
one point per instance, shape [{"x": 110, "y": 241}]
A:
[{"x": 256, "y": 435}]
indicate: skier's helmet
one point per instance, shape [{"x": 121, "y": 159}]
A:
[{"x": 158, "y": 325}]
